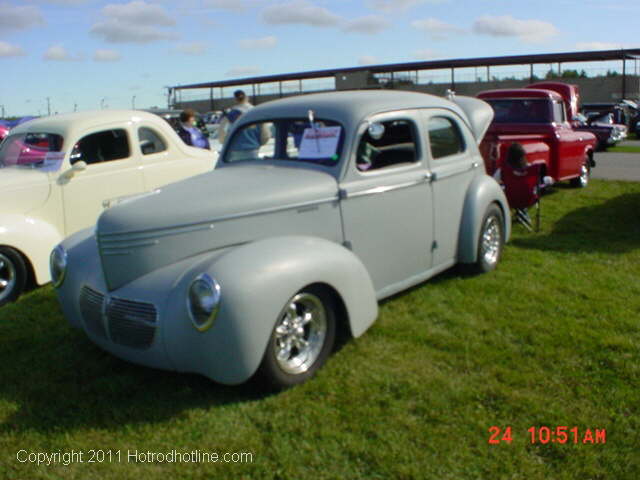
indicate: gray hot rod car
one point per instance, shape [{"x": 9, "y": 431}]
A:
[{"x": 320, "y": 206}]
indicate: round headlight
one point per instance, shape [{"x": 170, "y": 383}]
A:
[
  {"x": 203, "y": 302},
  {"x": 58, "y": 265}
]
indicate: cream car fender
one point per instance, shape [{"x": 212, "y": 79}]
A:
[{"x": 34, "y": 238}]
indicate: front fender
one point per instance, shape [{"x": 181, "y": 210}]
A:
[
  {"x": 256, "y": 280},
  {"x": 482, "y": 192},
  {"x": 34, "y": 238}
]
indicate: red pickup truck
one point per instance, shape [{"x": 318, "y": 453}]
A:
[{"x": 540, "y": 119}]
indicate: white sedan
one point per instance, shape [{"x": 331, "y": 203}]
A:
[{"x": 57, "y": 174}]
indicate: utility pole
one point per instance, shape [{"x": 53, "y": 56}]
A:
[
  {"x": 75, "y": 107},
  {"x": 133, "y": 102},
  {"x": 48, "y": 107},
  {"x": 102, "y": 104}
]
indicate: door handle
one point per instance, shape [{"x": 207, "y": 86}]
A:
[{"x": 430, "y": 176}]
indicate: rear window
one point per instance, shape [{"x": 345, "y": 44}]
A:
[
  {"x": 36, "y": 149},
  {"x": 521, "y": 110}
]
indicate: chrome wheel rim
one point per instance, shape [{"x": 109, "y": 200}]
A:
[
  {"x": 300, "y": 333},
  {"x": 584, "y": 175},
  {"x": 7, "y": 277},
  {"x": 491, "y": 241}
]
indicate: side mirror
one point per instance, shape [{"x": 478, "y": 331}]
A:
[
  {"x": 79, "y": 166},
  {"x": 376, "y": 130}
]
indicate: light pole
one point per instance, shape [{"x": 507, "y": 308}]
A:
[
  {"x": 102, "y": 103},
  {"x": 48, "y": 107},
  {"x": 133, "y": 102}
]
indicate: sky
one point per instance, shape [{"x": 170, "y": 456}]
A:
[{"x": 67, "y": 55}]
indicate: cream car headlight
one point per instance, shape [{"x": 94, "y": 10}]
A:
[
  {"x": 58, "y": 265},
  {"x": 203, "y": 302}
]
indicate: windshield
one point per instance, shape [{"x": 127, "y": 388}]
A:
[
  {"x": 35, "y": 149},
  {"x": 287, "y": 139},
  {"x": 521, "y": 110}
]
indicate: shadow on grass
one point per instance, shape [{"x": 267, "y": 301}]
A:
[
  {"x": 611, "y": 227},
  {"x": 55, "y": 379}
]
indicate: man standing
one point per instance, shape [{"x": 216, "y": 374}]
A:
[{"x": 241, "y": 106}]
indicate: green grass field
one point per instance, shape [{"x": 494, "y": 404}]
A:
[
  {"x": 624, "y": 149},
  {"x": 549, "y": 339}
]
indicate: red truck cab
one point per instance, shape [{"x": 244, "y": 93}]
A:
[{"x": 539, "y": 119}]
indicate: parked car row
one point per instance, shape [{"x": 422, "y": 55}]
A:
[{"x": 319, "y": 207}]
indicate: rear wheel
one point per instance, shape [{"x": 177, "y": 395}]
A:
[
  {"x": 490, "y": 240},
  {"x": 13, "y": 275},
  {"x": 585, "y": 173},
  {"x": 301, "y": 340}
]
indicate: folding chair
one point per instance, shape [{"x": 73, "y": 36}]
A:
[{"x": 522, "y": 189}]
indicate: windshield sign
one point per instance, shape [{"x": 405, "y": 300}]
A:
[
  {"x": 299, "y": 140},
  {"x": 42, "y": 150}
]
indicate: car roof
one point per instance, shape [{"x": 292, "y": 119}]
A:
[
  {"x": 513, "y": 93},
  {"x": 71, "y": 123},
  {"x": 349, "y": 106}
]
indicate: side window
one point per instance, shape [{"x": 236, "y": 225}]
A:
[
  {"x": 397, "y": 146},
  {"x": 101, "y": 147},
  {"x": 150, "y": 141},
  {"x": 445, "y": 137},
  {"x": 558, "y": 112}
]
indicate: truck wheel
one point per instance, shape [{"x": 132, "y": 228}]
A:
[
  {"x": 13, "y": 275},
  {"x": 301, "y": 340},
  {"x": 490, "y": 240},
  {"x": 583, "y": 180}
]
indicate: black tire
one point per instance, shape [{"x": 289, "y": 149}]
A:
[
  {"x": 272, "y": 373},
  {"x": 585, "y": 174},
  {"x": 13, "y": 275},
  {"x": 489, "y": 250}
]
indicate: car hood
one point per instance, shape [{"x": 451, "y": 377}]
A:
[
  {"x": 228, "y": 206},
  {"x": 23, "y": 189}
]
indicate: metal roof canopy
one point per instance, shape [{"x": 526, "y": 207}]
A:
[{"x": 590, "y": 56}]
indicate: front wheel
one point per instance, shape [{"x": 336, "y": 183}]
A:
[
  {"x": 583, "y": 180},
  {"x": 490, "y": 240},
  {"x": 301, "y": 340},
  {"x": 13, "y": 275}
]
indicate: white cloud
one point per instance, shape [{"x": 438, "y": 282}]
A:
[
  {"x": 134, "y": 22},
  {"x": 194, "y": 48},
  {"x": 242, "y": 71},
  {"x": 530, "y": 31},
  {"x": 437, "y": 29},
  {"x": 369, "y": 25},
  {"x": 258, "y": 43},
  {"x": 598, "y": 46},
  {"x": 425, "y": 54},
  {"x": 61, "y": 2},
  {"x": 8, "y": 50},
  {"x": 139, "y": 12},
  {"x": 367, "y": 60},
  {"x": 389, "y": 6},
  {"x": 106, "y": 56},
  {"x": 59, "y": 53},
  {"x": 19, "y": 18},
  {"x": 231, "y": 5},
  {"x": 301, "y": 12}
]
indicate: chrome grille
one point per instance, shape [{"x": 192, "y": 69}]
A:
[
  {"x": 129, "y": 323},
  {"x": 91, "y": 303}
]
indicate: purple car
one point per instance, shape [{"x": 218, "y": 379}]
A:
[{"x": 603, "y": 127}]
